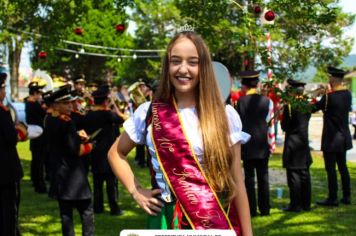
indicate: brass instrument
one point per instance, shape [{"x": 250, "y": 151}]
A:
[
  {"x": 43, "y": 78},
  {"x": 20, "y": 125},
  {"x": 321, "y": 90},
  {"x": 136, "y": 94},
  {"x": 121, "y": 104}
]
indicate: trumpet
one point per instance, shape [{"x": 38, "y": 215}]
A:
[{"x": 319, "y": 91}]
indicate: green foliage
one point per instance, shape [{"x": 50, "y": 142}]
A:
[
  {"x": 304, "y": 33},
  {"x": 155, "y": 21},
  {"x": 98, "y": 24},
  {"x": 298, "y": 34},
  {"x": 309, "y": 33}
]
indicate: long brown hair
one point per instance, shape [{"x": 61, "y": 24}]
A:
[{"x": 214, "y": 126}]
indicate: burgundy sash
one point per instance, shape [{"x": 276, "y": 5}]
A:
[{"x": 184, "y": 174}]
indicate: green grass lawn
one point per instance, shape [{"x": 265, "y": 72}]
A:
[{"x": 39, "y": 215}]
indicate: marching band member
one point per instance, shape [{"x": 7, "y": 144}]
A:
[
  {"x": 296, "y": 153},
  {"x": 79, "y": 85},
  {"x": 68, "y": 183},
  {"x": 137, "y": 97},
  {"x": 10, "y": 169},
  {"x": 35, "y": 114},
  {"x": 101, "y": 117},
  {"x": 336, "y": 137},
  {"x": 255, "y": 111}
]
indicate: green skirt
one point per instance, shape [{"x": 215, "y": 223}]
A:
[{"x": 164, "y": 219}]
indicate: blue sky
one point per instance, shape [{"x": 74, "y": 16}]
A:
[{"x": 348, "y": 6}]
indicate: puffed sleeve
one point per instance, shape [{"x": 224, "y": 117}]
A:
[
  {"x": 135, "y": 125},
  {"x": 236, "y": 133}
]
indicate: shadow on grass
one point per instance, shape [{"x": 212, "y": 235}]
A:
[
  {"x": 320, "y": 220},
  {"x": 39, "y": 215}
]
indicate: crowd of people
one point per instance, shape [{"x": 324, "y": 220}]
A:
[{"x": 194, "y": 143}]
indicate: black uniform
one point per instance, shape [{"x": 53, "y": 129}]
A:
[
  {"x": 253, "y": 110},
  {"x": 78, "y": 119},
  {"x": 69, "y": 183},
  {"x": 108, "y": 122},
  {"x": 35, "y": 115},
  {"x": 10, "y": 175},
  {"x": 336, "y": 139},
  {"x": 297, "y": 158}
]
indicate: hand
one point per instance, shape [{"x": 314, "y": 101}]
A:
[
  {"x": 147, "y": 201},
  {"x": 83, "y": 135}
]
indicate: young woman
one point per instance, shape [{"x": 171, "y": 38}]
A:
[{"x": 195, "y": 148}]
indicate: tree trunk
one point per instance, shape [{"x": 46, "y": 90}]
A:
[{"x": 15, "y": 50}]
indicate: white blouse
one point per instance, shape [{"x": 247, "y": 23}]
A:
[{"x": 135, "y": 128}]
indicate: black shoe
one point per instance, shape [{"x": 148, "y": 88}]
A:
[
  {"x": 117, "y": 213},
  {"x": 328, "y": 202},
  {"x": 41, "y": 189},
  {"x": 98, "y": 211},
  {"x": 306, "y": 208},
  {"x": 346, "y": 200},
  {"x": 292, "y": 209},
  {"x": 265, "y": 213}
]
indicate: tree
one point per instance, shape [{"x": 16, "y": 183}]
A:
[
  {"x": 310, "y": 33},
  {"x": 155, "y": 21},
  {"x": 48, "y": 23},
  {"x": 234, "y": 33},
  {"x": 96, "y": 26},
  {"x": 20, "y": 19}
]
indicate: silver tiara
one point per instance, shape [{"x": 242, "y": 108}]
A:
[{"x": 184, "y": 28}]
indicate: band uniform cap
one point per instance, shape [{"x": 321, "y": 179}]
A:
[
  {"x": 335, "y": 72},
  {"x": 2, "y": 79},
  {"x": 36, "y": 86},
  {"x": 249, "y": 77},
  {"x": 79, "y": 79},
  {"x": 47, "y": 97},
  {"x": 153, "y": 84},
  {"x": 102, "y": 92},
  {"x": 295, "y": 83},
  {"x": 63, "y": 94}
]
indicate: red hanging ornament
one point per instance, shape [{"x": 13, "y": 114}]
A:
[
  {"x": 257, "y": 9},
  {"x": 269, "y": 15},
  {"x": 42, "y": 54},
  {"x": 120, "y": 28},
  {"x": 79, "y": 31},
  {"x": 246, "y": 62}
]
